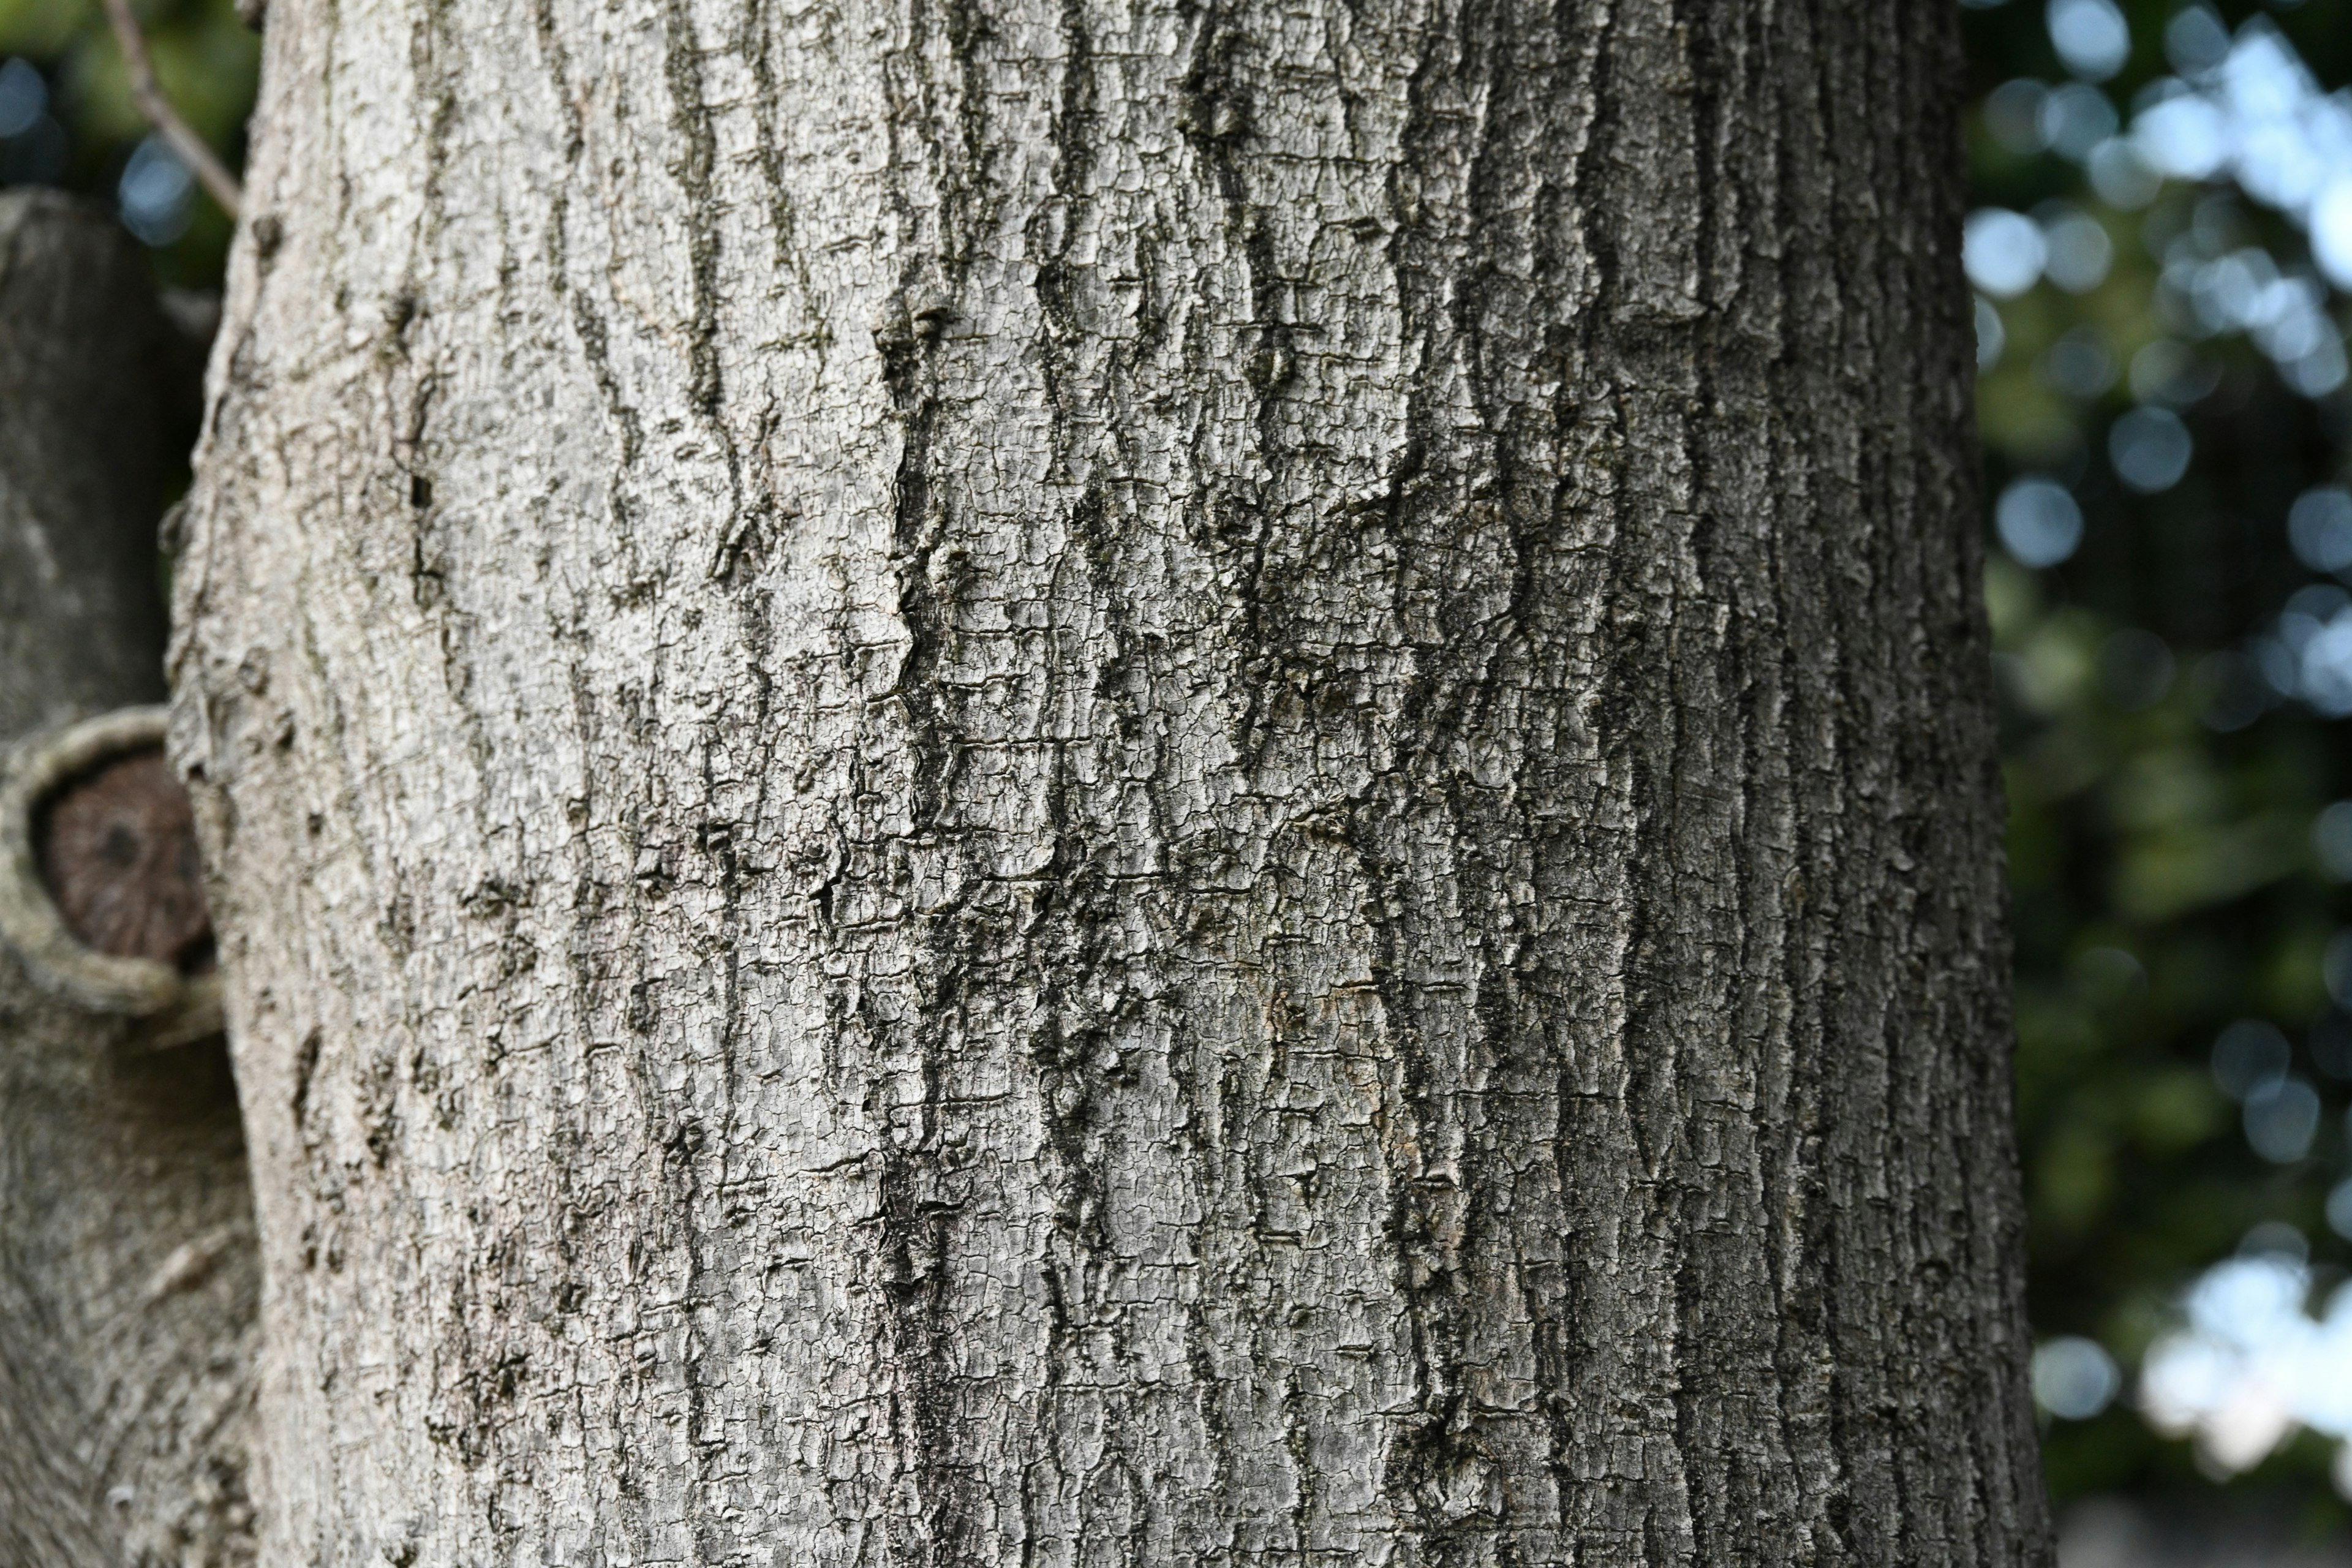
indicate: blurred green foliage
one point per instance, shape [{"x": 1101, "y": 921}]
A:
[
  {"x": 207, "y": 63},
  {"x": 2164, "y": 786}
]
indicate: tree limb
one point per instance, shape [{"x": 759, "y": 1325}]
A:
[{"x": 192, "y": 151}]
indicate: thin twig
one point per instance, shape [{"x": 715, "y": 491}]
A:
[{"x": 166, "y": 120}]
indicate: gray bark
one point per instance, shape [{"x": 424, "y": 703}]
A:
[
  {"x": 996, "y": 781},
  {"x": 128, "y": 1267}
]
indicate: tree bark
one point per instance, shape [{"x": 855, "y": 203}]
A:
[
  {"x": 996, "y": 781},
  {"x": 127, "y": 1266}
]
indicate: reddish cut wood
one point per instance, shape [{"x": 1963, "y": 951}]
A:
[{"x": 118, "y": 853}]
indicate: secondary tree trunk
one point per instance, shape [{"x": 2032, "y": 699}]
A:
[
  {"x": 997, "y": 782},
  {"x": 127, "y": 1268}
]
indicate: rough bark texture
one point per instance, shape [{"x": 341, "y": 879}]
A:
[
  {"x": 127, "y": 1268},
  {"x": 1154, "y": 783}
]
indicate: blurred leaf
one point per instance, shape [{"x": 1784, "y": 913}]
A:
[
  {"x": 2170, "y": 873},
  {"x": 43, "y": 26},
  {"x": 2177, "y": 1108}
]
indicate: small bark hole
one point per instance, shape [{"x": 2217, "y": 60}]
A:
[{"x": 117, "y": 852}]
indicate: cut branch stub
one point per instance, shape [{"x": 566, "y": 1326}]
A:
[
  {"x": 101, "y": 894},
  {"x": 118, "y": 853}
]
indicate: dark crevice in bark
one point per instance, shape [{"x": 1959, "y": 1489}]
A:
[
  {"x": 757, "y": 46},
  {"x": 1215, "y": 120},
  {"x": 694, "y": 171},
  {"x": 936, "y": 1522}
]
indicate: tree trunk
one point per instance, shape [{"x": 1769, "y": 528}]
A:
[
  {"x": 996, "y": 781},
  {"x": 127, "y": 1268}
]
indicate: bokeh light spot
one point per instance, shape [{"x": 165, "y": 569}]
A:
[
  {"x": 2090, "y": 35},
  {"x": 155, "y": 192},
  {"x": 2149, "y": 448},
  {"x": 24, "y": 98},
  {"x": 2249, "y": 1054},
  {"x": 2282, "y": 1118},
  {"x": 2319, "y": 528},
  {"x": 2039, "y": 524},
  {"x": 2002, "y": 251},
  {"x": 2074, "y": 1378},
  {"x": 2077, "y": 252},
  {"x": 1991, "y": 336}
]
